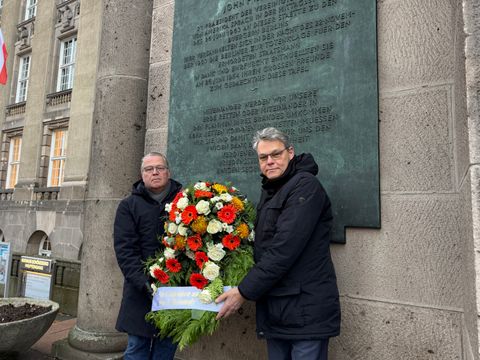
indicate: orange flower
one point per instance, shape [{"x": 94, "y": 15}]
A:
[
  {"x": 189, "y": 214},
  {"x": 194, "y": 242},
  {"x": 242, "y": 231},
  {"x": 179, "y": 242},
  {"x": 227, "y": 214},
  {"x": 230, "y": 241},
  {"x": 237, "y": 203},
  {"x": 199, "y": 225},
  {"x": 203, "y": 194},
  {"x": 219, "y": 188}
]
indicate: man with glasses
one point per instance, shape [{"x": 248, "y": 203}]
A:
[
  {"x": 138, "y": 225},
  {"x": 293, "y": 281}
]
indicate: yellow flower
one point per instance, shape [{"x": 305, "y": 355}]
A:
[
  {"x": 242, "y": 230},
  {"x": 180, "y": 242},
  {"x": 219, "y": 188},
  {"x": 199, "y": 225},
  {"x": 237, "y": 203}
]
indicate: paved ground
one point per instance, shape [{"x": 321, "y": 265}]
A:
[{"x": 42, "y": 348}]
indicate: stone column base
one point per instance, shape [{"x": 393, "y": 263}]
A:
[{"x": 62, "y": 350}]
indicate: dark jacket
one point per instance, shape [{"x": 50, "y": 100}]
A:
[
  {"x": 293, "y": 281},
  {"x": 136, "y": 230}
]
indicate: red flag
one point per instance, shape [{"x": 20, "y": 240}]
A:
[{"x": 3, "y": 60}]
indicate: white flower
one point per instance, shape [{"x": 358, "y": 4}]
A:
[
  {"x": 154, "y": 288},
  {"x": 178, "y": 219},
  {"x": 233, "y": 188},
  {"x": 182, "y": 230},
  {"x": 200, "y": 186},
  {"x": 203, "y": 207},
  {"x": 205, "y": 297},
  {"x": 214, "y": 199},
  {"x": 227, "y": 228},
  {"x": 251, "y": 236},
  {"x": 211, "y": 270},
  {"x": 185, "y": 192},
  {"x": 226, "y": 197},
  {"x": 215, "y": 252},
  {"x": 153, "y": 268},
  {"x": 168, "y": 207},
  {"x": 182, "y": 203},
  {"x": 214, "y": 226},
  {"x": 169, "y": 253},
  {"x": 172, "y": 228},
  {"x": 219, "y": 205}
]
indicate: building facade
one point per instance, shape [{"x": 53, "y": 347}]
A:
[
  {"x": 43, "y": 118},
  {"x": 88, "y": 93}
]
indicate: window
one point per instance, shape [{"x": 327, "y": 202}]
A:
[
  {"x": 22, "y": 83},
  {"x": 30, "y": 9},
  {"x": 45, "y": 248},
  {"x": 13, "y": 161},
  {"x": 66, "y": 65},
  {"x": 57, "y": 157}
]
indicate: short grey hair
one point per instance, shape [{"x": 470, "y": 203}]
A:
[
  {"x": 270, "y": 134},
  {"x": 154, "y": 153}
]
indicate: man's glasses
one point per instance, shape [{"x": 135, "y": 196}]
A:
[
  {"x": 151, "y": 169},
  {"x": 275, "y": 155}
]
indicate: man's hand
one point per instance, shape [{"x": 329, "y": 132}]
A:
[{"x": 233, "y": 300}]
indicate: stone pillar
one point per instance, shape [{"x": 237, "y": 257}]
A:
[
  {"x": 471, "y": 15},
  {"x": 118, "y": 132}
]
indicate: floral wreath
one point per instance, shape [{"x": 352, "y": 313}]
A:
[{"x": 208, "y": 243}]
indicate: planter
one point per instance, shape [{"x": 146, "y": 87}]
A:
[{"x": 20, "y": 335}]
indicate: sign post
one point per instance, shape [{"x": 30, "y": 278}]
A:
[
  {"x": 5, "y": 265},
  {"x": 37, "y": 277}
]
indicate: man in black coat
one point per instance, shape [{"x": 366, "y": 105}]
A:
[
  {"x": 293, "y": 281},
  {"x": 138, "y": 225}
]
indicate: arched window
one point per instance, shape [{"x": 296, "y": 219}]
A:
[
  {"x": 45, "y": 248},
  {"x": 39, "y": 244}
]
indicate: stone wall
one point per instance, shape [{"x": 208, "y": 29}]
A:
[{"x": 408, "y": 289}]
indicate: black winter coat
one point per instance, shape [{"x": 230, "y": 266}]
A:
[
  {"x": 293, "y": 281},
  {"x": 137, "y": 227}
]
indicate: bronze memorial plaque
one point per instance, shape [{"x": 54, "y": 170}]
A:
[{"x": 308, "y": 67}]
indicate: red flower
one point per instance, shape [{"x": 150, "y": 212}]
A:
[
  {"x": 208, "y": 184},
  {"x": 161, "y": 275},
  {"x": 198, "y": 281},
  {"x": 171, "y": 215},
  {"x": 177, "y": 197},
  {"x": 200, "y": 258},
  {"x": 189, "y": 214},
  {"x": 173, "y": 265},
  {"x": 194, "y": 242},
  {"x": 231, "y": 241},
  {"x": 227, "y": 214},
  {"x": 203, "y": 194}
]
